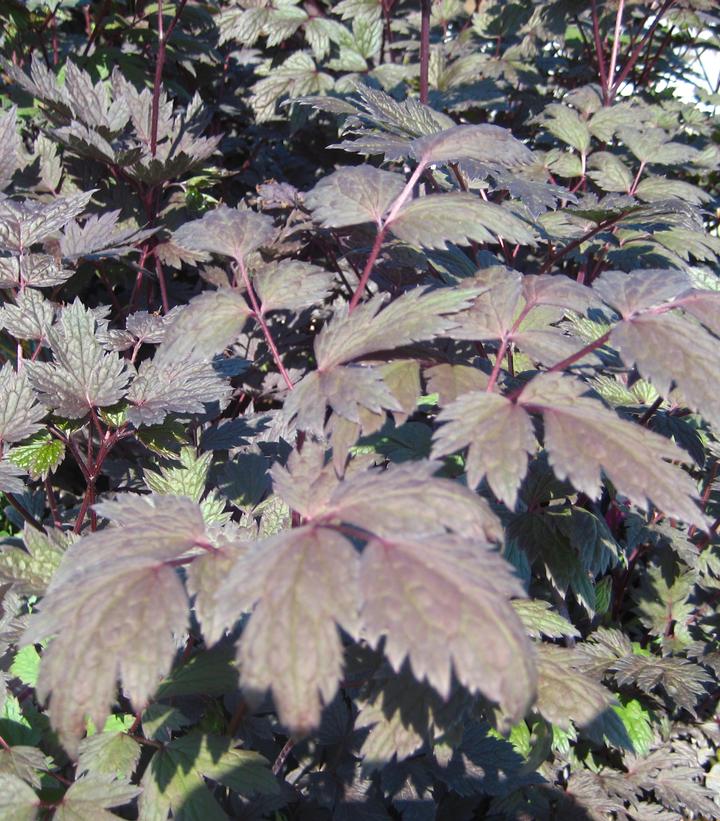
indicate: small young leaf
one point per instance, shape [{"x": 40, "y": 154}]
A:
[{"x": 39, "y": 456}]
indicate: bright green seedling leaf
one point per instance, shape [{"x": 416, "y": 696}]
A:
[
  {"x": 25, "y": 665},
  {"x": 40, "y": 456}
]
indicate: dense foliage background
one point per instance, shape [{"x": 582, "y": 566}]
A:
[{"x": 359, "y": 409}]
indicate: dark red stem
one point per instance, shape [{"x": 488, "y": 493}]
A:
[{"x": 425, "y": 11}]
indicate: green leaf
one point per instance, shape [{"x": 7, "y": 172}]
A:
[
  {"x": 174, "y": 779},
  {"x": 108, "y": 754},
  {"x": 637, "y": 722},
  {"x": 189, "y": 479},
  {"x": 565, "y": 123},
  {"x": 539, "y": 619},
  {"x": 26, "y": 665},
  {"x": 210, "y": 672},
  {"x": 32, "y": 569},
  {"x": 39, "y": 456}
]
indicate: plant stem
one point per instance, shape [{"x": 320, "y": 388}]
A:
[
  {"x": 157, "y": 84},
  {"x": 52, "y": 503},
  {"x": 615, "y": 46},
  {"x": 382, "y": 231},
  {"x": 425, "y": 11},
  {"x": 282, "y": 756},
  {"x": 261, "y": 321},
  {"x": 599, "y": 51},
  {"x": 637, "y": 51},
  {"x": 163, "y": 37},
  {"x": 367, "y": 270},
  {"x": 576, "y": 357},
  {"x": 576, "y": 243},
  {"x": 24, "y": 512}
]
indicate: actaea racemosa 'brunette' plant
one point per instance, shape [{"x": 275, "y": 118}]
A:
[{"x": 359, "y": 410}]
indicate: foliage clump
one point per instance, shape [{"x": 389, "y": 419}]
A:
[{"x": 359, "y": 410}]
